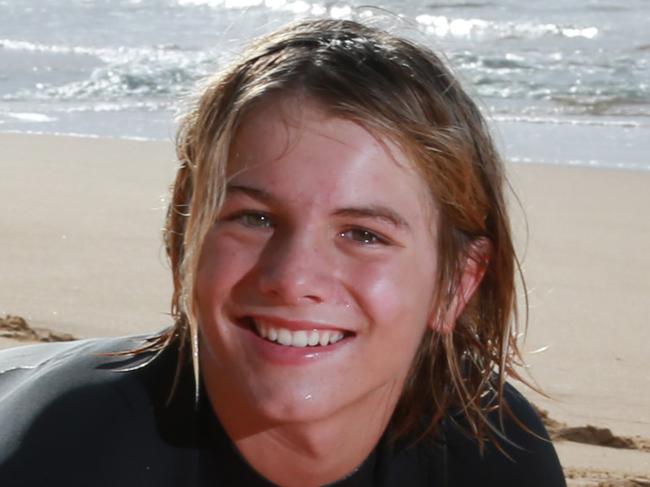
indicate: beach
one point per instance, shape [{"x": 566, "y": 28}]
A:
[
  {"x": 81, "y": 247},
  {"x": 81, "y": 254},
  {"x": 587, "y": 269}
]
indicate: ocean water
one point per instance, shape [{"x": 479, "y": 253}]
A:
[{"x": 562, "y": 81}]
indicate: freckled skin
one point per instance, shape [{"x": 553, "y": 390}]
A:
[{"x": 304, "y": 258}]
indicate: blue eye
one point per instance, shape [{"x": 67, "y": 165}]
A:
[
  {"x": 362, "y": 236},
  {"x": 254, "y": 220}
]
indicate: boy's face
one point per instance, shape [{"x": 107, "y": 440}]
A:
[{"x": 315, "y": 285}]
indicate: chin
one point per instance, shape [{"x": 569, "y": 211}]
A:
[{"x": 295, "y": 405}]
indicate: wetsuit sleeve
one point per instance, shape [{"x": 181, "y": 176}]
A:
[
  {"x": 68, "y": 417},
  {"x": 528, "y": 457}
]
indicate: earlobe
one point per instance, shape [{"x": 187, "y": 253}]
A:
[{"x": 475, "y": 264}]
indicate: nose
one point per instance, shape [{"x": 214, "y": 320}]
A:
[{"x": 293, "y": 269}]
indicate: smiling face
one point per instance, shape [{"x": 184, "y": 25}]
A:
[{"x": 315, "y": 286}]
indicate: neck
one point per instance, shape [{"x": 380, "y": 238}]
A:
[{"x": 311, "y": 453}]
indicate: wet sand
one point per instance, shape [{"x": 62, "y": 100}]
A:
[{"x": 81, "y": 254}]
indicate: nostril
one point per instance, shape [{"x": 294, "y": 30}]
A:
[{"x": 292, "y": 275}]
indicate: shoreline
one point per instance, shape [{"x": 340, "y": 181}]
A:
[
  {"x": 75, "y": 135},
  {"x": 82, "y": 254},
  {"x": 496, "y": 132}
]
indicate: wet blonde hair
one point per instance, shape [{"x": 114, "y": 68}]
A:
[{"x": 403, "y": 91}]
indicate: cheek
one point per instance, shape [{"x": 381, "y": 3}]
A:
[
  {"x": 221, "y": 266},
  {"x": 394, "y": 293}
]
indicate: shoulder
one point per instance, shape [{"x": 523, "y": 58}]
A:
[
  {"x": 38, "y": 381},
  {"x": 524, "y": 456},
  {"x": 38, "y": 374},
  {"x": 78, "y": 400},
  {"x": 27, "y": 359}
]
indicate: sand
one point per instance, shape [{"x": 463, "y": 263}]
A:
[
  {"x": 81, "y": 220},
  {"x": 81, "y": 254},
  {"x": 587, "y": 266}
]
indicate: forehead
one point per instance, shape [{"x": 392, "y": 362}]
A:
[
  {"x": 278, "y": 125},
  {"x": 296, "y": 150}
]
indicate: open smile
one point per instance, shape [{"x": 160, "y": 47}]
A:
[{"x": 294, "y": 334}]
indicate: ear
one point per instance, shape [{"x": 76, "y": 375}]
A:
[{"x": 475, "y": 263}]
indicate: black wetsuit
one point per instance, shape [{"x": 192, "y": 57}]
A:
[{"x": 68, "y": 418}]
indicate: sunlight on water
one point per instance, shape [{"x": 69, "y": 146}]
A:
[
  {"x": 297, "y": 7},
  {"x": 441, "y": 26},
  {"x": 32, "y": 117},
  {"x": 560, "y": 66}
]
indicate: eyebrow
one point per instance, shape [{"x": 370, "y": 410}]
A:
[
  {"x": 258, "y": 194},
  {"x": 379, "y": 212}
]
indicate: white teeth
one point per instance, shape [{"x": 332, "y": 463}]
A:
[
  {"x": 284, "y": 337},
  {"x": 324, "y": 338},
  {"x": 300, "y": 338},
  {"x": 272, "y": 334},
  {"x": 314, "y": 338},
  {"x": 335, "y": 337}
]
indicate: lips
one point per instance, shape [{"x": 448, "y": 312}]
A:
[{"x": 294, "y": 334}]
